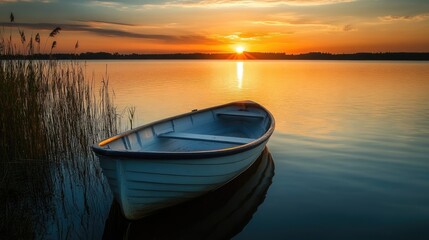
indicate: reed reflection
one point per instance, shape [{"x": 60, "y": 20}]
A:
[
  {"x": 240, "y": 71},
  {"x": 218, "y": 215}
]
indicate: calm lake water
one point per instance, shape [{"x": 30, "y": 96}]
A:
[{"x": 350, "y": 149}]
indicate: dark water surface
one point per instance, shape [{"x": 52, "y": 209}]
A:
[{"x": 351, "y": 146}]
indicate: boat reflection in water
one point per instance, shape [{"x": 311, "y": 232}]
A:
[{"x": 220, "y": 214}]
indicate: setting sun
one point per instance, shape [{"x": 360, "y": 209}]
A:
[{"x": 239, "y": 49}]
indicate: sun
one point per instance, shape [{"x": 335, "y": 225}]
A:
[{"x": 239, "y": 49}]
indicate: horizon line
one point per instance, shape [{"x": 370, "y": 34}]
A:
[
  {"x": 230, "y": 53},
  {"x": 406, "y": 56},
  {"x": 249, "y": 52}
]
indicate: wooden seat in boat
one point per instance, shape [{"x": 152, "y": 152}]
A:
[{"x": 206, "y": 137}]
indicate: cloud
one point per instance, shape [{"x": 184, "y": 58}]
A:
[
  {"x": 305, "y": 23},
  {"x": 109, "y": 4},
  {"x": 293, "y": 22},
  {"x": 390, "y": 18},
  {"x": 316, "y": 2},
  {"x": 26, "y": 1},
  {"x": 247, "y": 36},
  {"x": 86, "y": 27},
  {"x": 270, "y": 23},
  {"x": 109, "y": 24},
  {"x": 106, "y": 23},
  {"x": 219, "y": 3},
  {"x": 348, "y": 28},
  {"x": 257, "y": 3}
]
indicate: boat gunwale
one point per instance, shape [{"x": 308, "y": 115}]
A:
[{"x": 159, "y": 155}]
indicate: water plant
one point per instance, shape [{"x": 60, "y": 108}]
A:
[
  {"x": 131, "y": 114},
  {"x": 50, "y": 115}
]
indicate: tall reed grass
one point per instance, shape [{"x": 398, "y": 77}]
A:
[{"x": 50, "y": 115}]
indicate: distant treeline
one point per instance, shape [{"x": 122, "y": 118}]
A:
[{"x": 399, "y": 56}]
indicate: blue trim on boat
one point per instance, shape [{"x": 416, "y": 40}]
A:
[{"x": 185, "y": 155}]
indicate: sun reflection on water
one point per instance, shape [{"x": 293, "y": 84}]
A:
[{"x": 240, "y": 74}]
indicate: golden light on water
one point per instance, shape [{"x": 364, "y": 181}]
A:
[{"x": 239, "y": 74}]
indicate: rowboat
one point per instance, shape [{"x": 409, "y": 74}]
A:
[
  {"x": 177, "y": 159},
  {"x": 220, "y": 214}
]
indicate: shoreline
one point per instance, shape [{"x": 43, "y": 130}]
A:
[{"x": 388, "y": 56}]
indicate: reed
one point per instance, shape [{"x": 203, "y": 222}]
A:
[{"x": 50, "y": 115}]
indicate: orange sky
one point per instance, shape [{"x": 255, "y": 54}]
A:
[{"x": 291, "y": 26}]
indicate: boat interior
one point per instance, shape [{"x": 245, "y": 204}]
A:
[{"x": 212, "y": 129}]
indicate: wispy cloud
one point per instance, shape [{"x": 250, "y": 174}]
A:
[
  {"x": 27, "y": 1},
  {"x": 248, "y": 37},
  {"x": 110, "y": 24},
  {"x": 109, "y": 3},
  {"x": 106, "y": 23},
  {"x": 270, "y": 23},
  {"x": 390, "y": 18},
  {"x": 252, "y": 3},
  {"x": 348, "y": 28},
  {"x": 85, "y": 27},
  {"x": 218, "y": 3},
  {"x": 304, "y": 22}
]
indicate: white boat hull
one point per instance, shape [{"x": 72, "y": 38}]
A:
[
  {"x": 220, "y": 214},
  {"x": 142, "y": 187}
]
